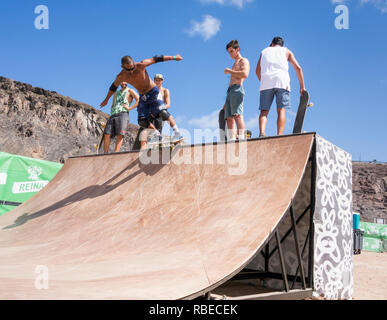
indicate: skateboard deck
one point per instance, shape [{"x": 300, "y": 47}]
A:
[
  {"x": 222, "y": 126},
  {"x": 304, "y": 104},
  {"x": 166, "y": 144},
  {"x": 99, "y": 146}
]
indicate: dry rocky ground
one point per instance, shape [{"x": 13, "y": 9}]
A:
[{"x": 370, "y": 276}]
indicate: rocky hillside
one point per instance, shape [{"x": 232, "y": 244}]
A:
[
  {"x": 44, "y": 124},
  {"x": 369, "y": 188}
]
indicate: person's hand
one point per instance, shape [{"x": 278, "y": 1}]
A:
[
  {"x": 103, "y": 103},
  {"x": 302, "y": 89},
  {"x": 227, "y": 71},
  {"x": 178, "y": 57}
]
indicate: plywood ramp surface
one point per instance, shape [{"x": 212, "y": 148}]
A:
[{"x": 111, "y": 227}]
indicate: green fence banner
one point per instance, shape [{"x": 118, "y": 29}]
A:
[
  {"x": 22, "y": 177},
  {"x": 375, "y": 236}
]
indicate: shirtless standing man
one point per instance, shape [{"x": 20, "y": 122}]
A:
[
  {"x": 119, "y": 116},
  {"x": 150, "y": 106},
  {"x": 235, "y": 92},
  {"x": 273, "y": 73}
]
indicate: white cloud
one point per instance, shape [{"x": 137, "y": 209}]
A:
[
  {"x": 380, "y": 4},
  {"x": 207, "y": 28},
  {"x": 238, "y": 3},
  {"x": 209, "y": 121}
]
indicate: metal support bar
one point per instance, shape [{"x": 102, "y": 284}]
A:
[
  {"x": 311, "y": 224},
  {"x": 302, "y": 253},
  {"x": 254, "y": 275},
  {"x": 297, "y": 248},
  {"x": 290, "y": 230},
  {"x": 285, "y": 278}
]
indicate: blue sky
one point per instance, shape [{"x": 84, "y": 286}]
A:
[{"x": 345, "y": 70}]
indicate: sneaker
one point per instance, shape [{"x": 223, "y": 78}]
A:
[
  {"x": 262, "y": 135},
  {"x": 177, "y": 137}
]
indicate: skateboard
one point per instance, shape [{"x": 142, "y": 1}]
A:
[
  {"x": 304, "y": 104},
  {"x": 99, "y": 147},
  {"x": 165, "y": 144},
  {"x": 222, "y": 126}
]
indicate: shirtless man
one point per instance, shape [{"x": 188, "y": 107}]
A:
[
  {"x": 150, "y": 107},
  {"x": 119, "y": 116},
  {"x": 235, "y": 92}
]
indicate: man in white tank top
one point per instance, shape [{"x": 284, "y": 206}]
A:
[{"x": 273, "y": 73}]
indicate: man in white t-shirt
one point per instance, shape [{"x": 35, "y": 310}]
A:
[{"x": 273, "y": 73}]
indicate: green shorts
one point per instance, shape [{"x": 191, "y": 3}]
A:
[{"x": 234, "y": 101}]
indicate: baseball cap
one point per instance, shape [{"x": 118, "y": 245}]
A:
[{"x": 159, "y": 76}]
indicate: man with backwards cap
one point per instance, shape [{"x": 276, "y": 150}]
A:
[
  {"x": 150, "y": 107},
  {"x": 273, "y": 73},
  {"x": 163, "y": 96}
]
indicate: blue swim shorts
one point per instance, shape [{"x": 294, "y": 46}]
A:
[{"x": 267, "y": 97}]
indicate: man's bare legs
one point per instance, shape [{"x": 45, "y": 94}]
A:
[
  {"x": 106, "y": 143},
  {"x": 119, "y": 140},
  {"x": 240, "y": 124},
  {"x": 263, "y": 122},
  {"x": 281, "y": 120},
  {"x": 231, "y": 134}
]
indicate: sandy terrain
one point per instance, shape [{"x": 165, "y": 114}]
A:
[{"x": 370, "y": 276}]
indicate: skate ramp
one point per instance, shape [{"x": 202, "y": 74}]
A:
[{"x": 111, "y": 227}]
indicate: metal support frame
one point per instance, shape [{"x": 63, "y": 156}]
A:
[
  {"x": 300, "y": 265},
  {"x": 282, "y": 260},
  {"x": 311, "y": 216}
]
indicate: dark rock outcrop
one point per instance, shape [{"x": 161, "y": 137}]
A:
[
  {"x": 44, "y": 124},
  {"x": 369, "y": 188}
]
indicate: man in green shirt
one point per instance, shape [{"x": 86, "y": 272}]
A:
[{"x": 119, "y": 116}]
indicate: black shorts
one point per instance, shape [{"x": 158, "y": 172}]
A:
[
  {"x": 158, "y": 123},
  {"x": 117, "y": 124}
]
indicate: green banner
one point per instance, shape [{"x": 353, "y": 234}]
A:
[
  {"x": 375, "y": 236},
  {"x": 374, "y": 230},
  {"x": 22, "y": 177}
]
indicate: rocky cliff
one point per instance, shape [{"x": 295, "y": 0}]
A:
[
  {"x": 369, "y": 189},
  {"x": 44, "y": 124}
]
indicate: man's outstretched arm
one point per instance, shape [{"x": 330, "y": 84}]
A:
[
  {"x": 112, "y": 90},
  {"x": 297, "y": 67},
  {"x": 160, "y": 58}
]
